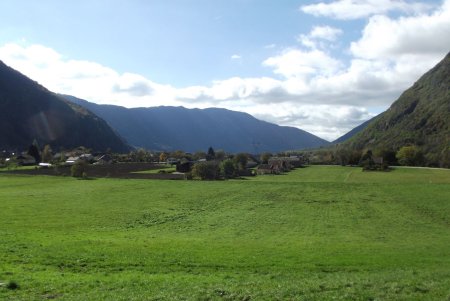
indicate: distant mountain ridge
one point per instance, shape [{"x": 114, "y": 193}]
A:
[
  {"x": 420, "y": 116},
  {"x": 178, "y": 128},
  {"x": 29, "y": 112}
]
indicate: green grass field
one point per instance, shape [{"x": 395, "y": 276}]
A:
[{"x": 317, "y": 233}]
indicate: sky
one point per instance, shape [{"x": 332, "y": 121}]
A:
[{"x": 322, "y": 66}]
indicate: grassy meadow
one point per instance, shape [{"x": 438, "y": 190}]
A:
[{"x": 317, "y": 233}]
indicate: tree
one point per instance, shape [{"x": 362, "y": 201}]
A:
[
  {"x": 208, "y": 170},
  {"x": 228, "y": 169},
  {"x": 241, "y": 160},
  {"x": 342, "y": 155},
  {"x": 354, "y": 157},
  {"x": 78, "y": 170},
  {"x": 34, "y": 152},
  {"x": 141, "y": 155},
  {"x": 47, "y": 155},
  {"x": 220, "y": 155},
  {"x": 199, "y": 155},
  {"x": 367, "y": 160},
  {"x": 162, "y": 157},
  {"x": 179, "y": 154},
  {"x": 265, "y": 157},
  {"x": 410, "y": 156},
  {"x": 211, "y": 155},
  {"x": 388, "y": 155}
]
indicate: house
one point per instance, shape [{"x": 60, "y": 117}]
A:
[
  {"x": 377, "y": 160},
  {"x": 72, "y": 160},
  {"x": 280, "y": 164},
  {"x": 172, "y": 161},
  {"x": 264, "y": 169},
  {"x": 184, "y": 166},
  {"x": 25, "y": 160},
  {"x": 251, "y": 164},
  {"x": 87, "y": 157},
  {"x": 104, "y": 159},
  {"x": 59, "y": 157},
  {"x": 5, "y": 154},
  {"x": 276, "y": 166},
  {"x": 296, "y": 161}
]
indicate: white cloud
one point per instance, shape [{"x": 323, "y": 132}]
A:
[
  {"x": 386, "y": 38},
  {"x": 325, "y": 32},
  {"x": 320, "y": 37},
  {"x": 299, "y": 63},
  {"x": 326, "y": 121},
  {"x": 355, "y": 9},
  {"x": 236, "y": 57},
  {"x": 133, "y": 84},
  {"x": 228, "y": 90},
  {"x": 84, "y": 79},
  {"x": 399, "y": 50}
]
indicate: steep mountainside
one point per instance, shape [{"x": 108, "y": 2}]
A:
[
  {"x": 421, "y": 117},
  {"x": 173, "y": 128},
  {"x": 353, "y": 132},
  {"x": 28, "y": 111}
]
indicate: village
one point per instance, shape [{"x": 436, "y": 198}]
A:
[{"x": 142, "y": 164}]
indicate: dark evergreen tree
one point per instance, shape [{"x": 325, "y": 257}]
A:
[
  {"x": 34, "y": 152},
  {"x": 211, "y": 155}
]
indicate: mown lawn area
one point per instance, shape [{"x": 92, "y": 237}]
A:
[{"x": 317, "y": 233}]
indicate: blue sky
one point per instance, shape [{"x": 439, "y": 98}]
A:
[
  {"x": 175, "y": 42},
  {"x": 323, "y": 66}
]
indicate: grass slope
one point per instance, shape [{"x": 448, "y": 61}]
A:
[{"x": 318, "y": 233}]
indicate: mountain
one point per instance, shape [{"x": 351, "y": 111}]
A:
[
  {"x": 30, "y": 112},
  {"x": 420, "y": 117},
  {"x": 352, "y": 132},
  {"x": 178, "y": 128}
]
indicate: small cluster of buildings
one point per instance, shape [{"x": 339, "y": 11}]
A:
[
  {"x": 89, "y": 158},
  {"x": 25, "y": 159},
  {"x": 278, "y": 165},
  {"x": 273, "y": 165}
]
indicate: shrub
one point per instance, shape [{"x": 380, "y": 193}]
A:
[
  {"x": 228, "y": 169},
  {"x": 367, "y": 161},
  {"x": 12, "y": 285},
  {"x": 208, "y": 170},
  {"x": 241, "y": 160},
  {"x": 78, "y": 170},
  {"x": 410, "y": 156},
  {"x": 265, "y": 157},
  {"x": 388, "y": 155}
]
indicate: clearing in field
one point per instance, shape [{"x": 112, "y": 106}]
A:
[{"x": 317, "y": 233}]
